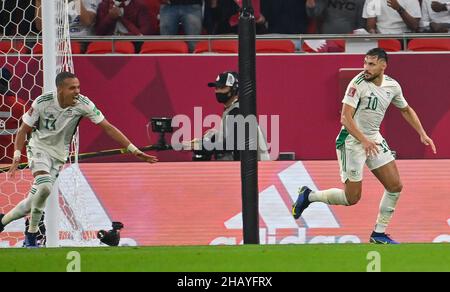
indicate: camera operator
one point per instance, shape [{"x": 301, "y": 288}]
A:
[{"x": 226, "y": 90}]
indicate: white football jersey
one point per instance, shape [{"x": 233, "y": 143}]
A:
[
  {"x": 371, "y": 102},
  {"x": 54, "y": 126}
]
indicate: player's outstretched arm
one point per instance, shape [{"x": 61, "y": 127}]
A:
[
  {"x": 19, "y": 142},
  {"x": 411, "y": 117},
  {"x": 118, "y": 136}
]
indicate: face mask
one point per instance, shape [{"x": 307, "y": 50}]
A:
[{"x": 223, "y": 97}]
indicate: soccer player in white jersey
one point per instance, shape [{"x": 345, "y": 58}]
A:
[
  {"x": 52, "y": 121},
  {"x": 359, "y": 142}
]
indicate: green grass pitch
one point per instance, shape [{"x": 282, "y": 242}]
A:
[{"x": 248, "y": 258}]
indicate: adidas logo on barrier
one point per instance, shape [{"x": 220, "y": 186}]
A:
[
  {"x": 276, "y": 214},
  {"x": 443, "y": 237}
]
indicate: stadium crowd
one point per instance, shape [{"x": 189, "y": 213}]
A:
[{"x": 194, "y": 17}]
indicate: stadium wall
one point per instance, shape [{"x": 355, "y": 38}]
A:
[
  {"x": 205, "y": 209},
  {"x": 303, "y": 90}
]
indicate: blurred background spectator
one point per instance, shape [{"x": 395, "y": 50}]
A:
[
  {"x": 336, "y": 17},
  {"x": 286, "y": 16},
  {"x": 188, "y": 13},
  {"x": 123, "y": 17},
  {"x": 222, "y": 17},
  {"x": 399, "y": 16},
  {"x": 82, "y": 14},
  {"x": 435, "y": 16},
  {"x": 153, "y": 7}
]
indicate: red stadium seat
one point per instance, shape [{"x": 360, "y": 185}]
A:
[
  {"x": 429, "y": 45},
  {"x": 390, "y": 45},
  {"x": 108, "y": 47},
  {"x": 75, "y": 48},
  {"x": 275, "y": 46},
  {"x": 9, "y": 47},
  {"x": 217, "y": 46},
  {"x": 203, "y": 47},
  {"x": 225, "y": 46},
  {"x": 37, "y": 49},
  {"x": 164, "y": 47},
  {"x": 153, "y": 7}
]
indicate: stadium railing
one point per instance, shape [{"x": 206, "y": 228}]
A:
[{"x": 215, "y": 43}]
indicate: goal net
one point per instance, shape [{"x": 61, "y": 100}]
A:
[{"x": 23, "y": 61}]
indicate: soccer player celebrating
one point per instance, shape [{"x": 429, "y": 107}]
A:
[
  {"x": 359, "y": 141},
  {"x": 52, "y": 121}
]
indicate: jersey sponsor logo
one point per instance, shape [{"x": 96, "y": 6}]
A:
[{"x": 351, "y": 91}]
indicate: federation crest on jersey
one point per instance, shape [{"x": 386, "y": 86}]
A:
[
  {"x": 351, "y": 91},
  {"x": 69, "y": 113}
]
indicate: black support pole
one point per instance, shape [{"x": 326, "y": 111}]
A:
[{"x": 247, "y": 101}]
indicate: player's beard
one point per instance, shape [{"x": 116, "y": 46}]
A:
[{"x": 371, "y": 77}]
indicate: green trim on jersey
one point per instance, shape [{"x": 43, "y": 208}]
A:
[
  {"x": 83, "y": 100},
  {"x": 43, "y": 98},
  {"x": 42, "y": 180},
  {"x": 343, "y": 158},
  {"x": 340, "y": 141},
  {"x": 360, "y": 79},
  {"x": 343, "y": 134}
]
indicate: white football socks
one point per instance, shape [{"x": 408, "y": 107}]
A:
[
  {"x": 331, "y": 197},
  {"x": 44, "y": 184},
  {"x": 387, "y": 208}
]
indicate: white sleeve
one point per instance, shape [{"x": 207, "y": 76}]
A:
[
  {"x": 399, "y": 100},
  {"x": 352, "y": 95},
  {"x": 425, "y": 20},
  {"x": 32, "y": 115},
  {"x": 372, "y": 8},
  {"x": 93, "y": 113},
  {"x": 413, "y": 8},
  {"x": 91, "y": 5}
]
